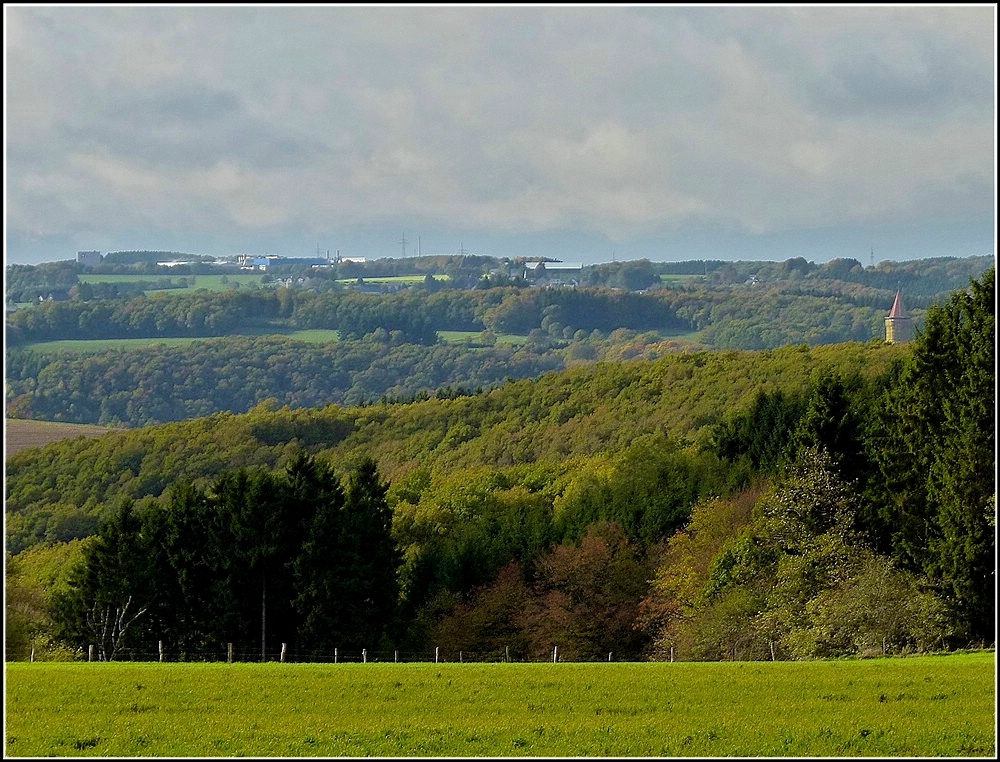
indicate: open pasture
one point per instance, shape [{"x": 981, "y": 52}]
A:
[
  {"x": 81, "y": 346},
  {"x": 935, "y": 706},
  {"x": 213, "y": 282}
]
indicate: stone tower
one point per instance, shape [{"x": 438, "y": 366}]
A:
[{"x": 898, "y": 325}]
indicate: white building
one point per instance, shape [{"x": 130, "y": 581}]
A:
[{"x": 89, "y": 258}]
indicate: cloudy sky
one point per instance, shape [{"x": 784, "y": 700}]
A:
[{"x": 584, "y": 133}]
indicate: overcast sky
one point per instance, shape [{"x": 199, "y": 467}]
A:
[{"x": 582, "y": 133}]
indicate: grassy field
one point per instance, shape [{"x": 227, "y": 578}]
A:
[
  {"x": 459, "y": 337},
  {"x": 310, "y": 335},
  {"x": 73, "y": 346},
  {"x": 221, "y": 282},
  {"x": 19, "y": 435},
  {"x": 674, "y": 279},
  {"x": 936, "y": 706}
]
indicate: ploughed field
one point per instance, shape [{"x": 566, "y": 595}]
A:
[
  {"x": 935, "y": 706},
  {"x": 21, "y": 434}
]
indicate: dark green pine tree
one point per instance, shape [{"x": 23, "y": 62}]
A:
[
  {"x": 836, "y": 420},
  {"x": 763, "y": 434},
  {"x": 936, "y": 453},
  {"x": 188, "y": 557},
  {"x": 370, "y": 560},
  {"x": 829, "y": 423},
  {"x": 961, "y": 483},
  {"x": 319, "y": 568},
  {"x": 266, "y": 531},
  {"x": 108, "y": 598}
]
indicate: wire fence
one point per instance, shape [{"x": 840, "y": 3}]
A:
[{"x": 284, "y": 654}]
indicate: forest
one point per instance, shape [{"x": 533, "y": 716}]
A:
[
  {"x": 804, "y": 501},
  {"x": 246, "y": 344}
]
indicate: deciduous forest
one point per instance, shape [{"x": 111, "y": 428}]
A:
[{"x": 640, "y": 485}]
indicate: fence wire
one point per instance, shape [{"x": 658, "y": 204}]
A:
[{"x": 293, "y": 656}]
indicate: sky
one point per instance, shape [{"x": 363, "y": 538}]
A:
[{"x": 586, "y": 133}]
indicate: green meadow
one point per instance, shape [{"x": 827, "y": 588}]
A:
[
  {"x": 71, "y": 346},
  {"x": 220, "y": 282},
  {"x": 309, "y": 335},
  {"x": 935, "y": 706},
  {"x": 459, "y": 337}
]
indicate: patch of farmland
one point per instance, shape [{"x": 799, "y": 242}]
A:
[{"x": 22, "y": 434}]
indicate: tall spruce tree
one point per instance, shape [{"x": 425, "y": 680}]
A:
[
  {"x": 319, "y": 569},
  {"x": 937, "y": 457},
  {"x": 266, "y": 533},
  {"x": 108, "y": 598},
  {"x": 371, "y": 560}
]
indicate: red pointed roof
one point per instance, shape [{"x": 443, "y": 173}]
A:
[{"x": 898, "y": 311}]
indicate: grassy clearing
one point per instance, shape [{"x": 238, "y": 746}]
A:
[
  {"x": 311, "y": 335},
  {"x": 80, "y": 346},
  {"x": 930, "y": 706},
  {"x": 678, "y": 279},
  {"x": 19, "y": 434},
  {"x": 403, "y": 280},
  {"x": 460, "y": 337},
  {"x": 221, "y": 282}
]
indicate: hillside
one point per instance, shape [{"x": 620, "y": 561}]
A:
[{"x": 590, "y": 411}]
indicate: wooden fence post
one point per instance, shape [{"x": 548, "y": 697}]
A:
[
  {"x": 506, "y": 653},
  {"x": 229, "y": 652},
  {"x": 334, "y": 655},
  {"x": 395, "y": 657},
  {"x": 555, "y": 654},
  {"x": 364, "y": 655},
  {"x": 90, "y": 652},
  {"x": 772, "y": 650},
  {"x": 32, "y": 657},
  {"x": 671, "y": 654},
  {"x": 435, "y": 654},
  {"x": 161, "y": 650},
  {"x": 609, "y": 655},
  {"x": 284, "y": 646}
]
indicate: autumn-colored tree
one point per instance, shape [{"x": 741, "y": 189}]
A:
[
  {"x": 586, "y": 597},
  {"x": 492, "y": 625}
]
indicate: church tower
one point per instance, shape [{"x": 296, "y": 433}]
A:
[{"x": 898, "y": 325}]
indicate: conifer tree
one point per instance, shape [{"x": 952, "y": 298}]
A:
[
  {"x": 318, "y": 569},
  {"x": 371, "y": 560},
  {"x": 937, "y": 455},
  {"x": 108, "y": 595}
]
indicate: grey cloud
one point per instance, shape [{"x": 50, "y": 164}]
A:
[
  {"x": 612, "y": 118},
  {"x": 869, "y": 81},
  {"x": 187, "y": 126}
]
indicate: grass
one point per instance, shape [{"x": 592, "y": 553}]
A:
[
  {"x": 74, "y": 346},
  {"x": 311, "y": 335},
  {"x": 407, "y": 280},
  {"x": 460, "y": 337},
  {"x": 77, "y": 346},
  {"x": 927, "y": 706},
  {"x": 221, "y": 282}
]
